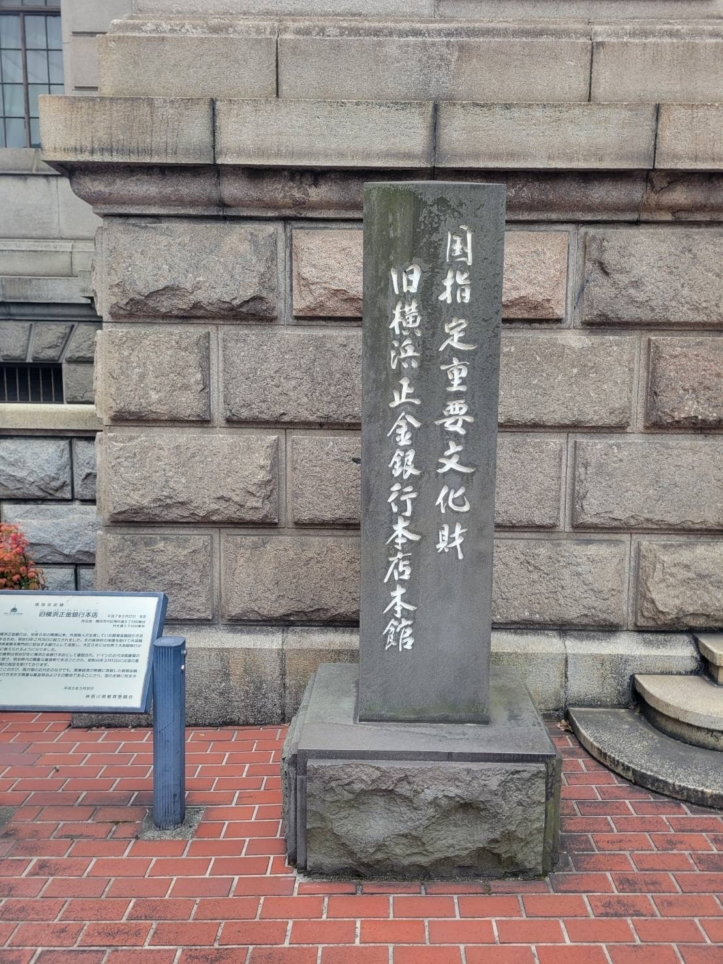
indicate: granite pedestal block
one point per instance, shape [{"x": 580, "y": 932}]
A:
[{"x": 419, "y": 799}]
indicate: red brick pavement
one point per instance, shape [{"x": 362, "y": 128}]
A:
[{"x": 640, "y": 879}]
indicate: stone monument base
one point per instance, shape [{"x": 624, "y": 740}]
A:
[{"x": 419, "y": 799}]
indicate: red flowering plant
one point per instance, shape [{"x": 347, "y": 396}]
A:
[{"x": 17, "y": 570}]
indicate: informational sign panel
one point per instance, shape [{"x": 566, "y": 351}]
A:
[{"x": 80, "y": 652}]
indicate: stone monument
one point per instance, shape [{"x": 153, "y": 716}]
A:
[{"x": 422, "y": 761}]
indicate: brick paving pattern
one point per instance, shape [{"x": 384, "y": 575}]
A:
[{"x": 640, "y": 879}]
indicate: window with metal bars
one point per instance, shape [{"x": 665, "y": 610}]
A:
[
  {"x": 31, "y": 63},
  {"x": 40, "y": 384}
]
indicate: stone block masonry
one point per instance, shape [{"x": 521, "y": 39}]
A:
[
  {"x": 48, "y": 489},
  {"x": 231, "y": 452},
  {"x": 229, "y": 277}
]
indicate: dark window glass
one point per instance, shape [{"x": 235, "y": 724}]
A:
[
  {"x": 41, "y": 384},
  {"x": 11, "y": 65},
  {"x": 31, "y": 64},
  {"x": 10, "y": 32},
  {"x": 35, "y": 36}
]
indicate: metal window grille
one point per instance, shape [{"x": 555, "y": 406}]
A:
[
  {"x": 40, "y": 384},
  {"x": 31, "y": 63}
]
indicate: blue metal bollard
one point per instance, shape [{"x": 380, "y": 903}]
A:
[{"x": 169, "y": 723}]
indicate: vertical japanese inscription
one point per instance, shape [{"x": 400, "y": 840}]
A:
[
  {"x": 456, "y": 410},
  {"x": 405, "y": 328},
  {"x": 432, "y": 306}
]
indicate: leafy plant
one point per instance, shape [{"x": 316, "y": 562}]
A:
[{"x": 17, "y": 570}]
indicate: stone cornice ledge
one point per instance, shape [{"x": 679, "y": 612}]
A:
[
  {"x": 373, "y": 135},
  {"x": 48, "y": 419}
]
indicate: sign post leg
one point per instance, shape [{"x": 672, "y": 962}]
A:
[{"x": 169, "y": 722}]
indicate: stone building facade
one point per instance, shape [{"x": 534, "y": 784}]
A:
[
  {"x": 226, "y": 153},
  {"x": 47, "y": 315}
]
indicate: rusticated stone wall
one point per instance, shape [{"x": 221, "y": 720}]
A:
[
  {"x": 233, "y": 405},
  {"x": 47, "y": 488},
  {"x": 227, "y": 152}
]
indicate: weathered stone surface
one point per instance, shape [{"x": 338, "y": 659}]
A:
[
  {"x": 529, "y": 481},
  {"x": 173, "y": 267},
  {"x": 49, "y": 341},
  {"x": 437, "y": 819},
  {"x": 292, "y": 375},
  {"x": 188, "y": 59},
  {"x": 29, "y": 290},
  {"x": 651, "y": 483},
  {"x": 446, "y": 679},
  {"x": 690, "y": 137},
  {"x": 566, "y": 379},
  {"x": 234, "y": 678},
  {"x": 688, "y": 708},
  {"x": 78, "y": 383},
  {"x": 658, "y": 63},
  {"x": 81, "y": 57},
  {"x": 284, "y": 8},
  {"x": 685, "y": 387},
  {"x": 559, "y": 583},
  {"x": 19, "y": 417},
  {"x": 76, "y": 221},
  {"x": 179, "y": 565},
  {"x": 14, "y": 340},
  {"x": 84, "y": 472},
  {"x": 286, "y": 133},
  {"x": 59, "y": 578},
  {"x": 18, "y": 258},
  {"x": 86, "y": 578},
  {"x": 327, "y": 274},
  {"x": 600, "y": 666},
  {"x": 540, "y": 660},
  {"x": 156, "y": 374},
  {"x": 175, "y": 477},
  {"x": 34, "y": 468},
  {"x": 329, "y": 731},
  {"x": 653, "y": 277},
  {"x": 305, "y": 579},
  {"x": 396, "y": 61},
  {"x": 140, "y": 130},
  {"x": 326, "y": 473},
  {"x": 305, "y": 649},
  {"x": 150, "y": 189},
  {"x": 563, "y": 136},
  {"x": 590, "y": 10},
  {"x": 325, "y": 479},
  {"x": 81, "y": 347},
  {"x": 87, "y": 15},
  {"x": 551, "y": 196},
  {"x": 29, "y": 204},
  {"x": 680, "y": 585},
  {"x": 711, "y": 648},
  {"x": 625, "y": 742},
  {"x": 535, "y": 283},
  {"x": 56, "y": 533},
  {"x": 680, "y": 196}
]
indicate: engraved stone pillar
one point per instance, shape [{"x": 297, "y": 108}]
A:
[
  {"x": 423, "y": 762},
  {"x": 432, "y": 318}
]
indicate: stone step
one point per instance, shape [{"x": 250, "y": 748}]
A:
[
  {"x": 711, "y": 649},
  {"x": 688, "y": 708},
  {"x": 624, "y": 741}
]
